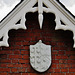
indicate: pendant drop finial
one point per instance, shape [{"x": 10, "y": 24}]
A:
[
  {"x": 40, "y": 12},
  {"x": 40, "y": 20}
]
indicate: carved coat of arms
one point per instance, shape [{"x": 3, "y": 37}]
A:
[{"x": 40, "y": 56}]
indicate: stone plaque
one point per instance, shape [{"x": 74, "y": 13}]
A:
[{"x": 40, "y": 56}]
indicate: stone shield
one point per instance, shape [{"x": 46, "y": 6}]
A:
[{"x": 40, "y": 56}]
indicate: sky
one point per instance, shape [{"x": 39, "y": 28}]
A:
[
  {"x": 69, "y": 4},
  {"x": 7, "y": 5}
]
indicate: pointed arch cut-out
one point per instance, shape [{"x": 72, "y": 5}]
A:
[{"x": 16, "y": 20}]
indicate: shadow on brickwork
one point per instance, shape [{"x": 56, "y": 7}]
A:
[{"x": 15, "y": 58}]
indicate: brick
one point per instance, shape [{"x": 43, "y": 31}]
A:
[
  {"x": 22, "y": 61},
  {"x": 57, "y": 73},
  {"x": 69, "y": 73},
  {"x": 47, "y": 74},
  {"x": 4, "y": 69},
  {"x": 70, "y": 61},
  {"x": 54, "y": 65},
  {"x": 18, "y": 43},
  {"x": 29, "y": 70},
  {"x": 3, "y": 73},
  {"x": 5, "y": 61},
  {"x": 60, "y": 43},
  {"x": 64, "y": 70},
  {"x": 27, "y": 61},
  {"x": 10, "y": 65},
  {"x": 14, "y": 73},
  {"x": 73, "y": 65},
  {"x": 25, "y": 73},
  {"x": 55, "y": 48},
  {"x": 36, "y": 73},
  {"x": 22, "y": 70},
  {"x": 72, "y": 70},
  {"x": 64, "y": 57},
  {"x": 47, "y": 34},
  {"x": 61, "y": 57},
  {"x": 14, "y": 70},
  {"x": 61, "y": 65},
  {"x": 28, "y": 39},
  {"x": 5, "y": 52},
  {"x": 63, "y": 61},
  {"x": 70, "y": 52},
  {"x": 15, "y": 60},
  {"x": 3, "y": 56},
  {"x": 53, "y": 43},
  {"x": 51, "y": 70},
  {"x": 56, "y": 70},
  {"x": 15, "y": 56},
  {"x": 64, "y": 65},
  {"x": 25, "y": 57},
  {"x": 3, "y": 65},
  {"x": 25, "y": 52},
  {"x": 63, "y": 48},
  {"x": 61, "y": 52},
  {"x": 68, "y": 65},
  {"x": 25, "y": 65},
  {"x": 19, "y": 38},
  {"x": 48, "y": 39},
  {"x": 72, "y": 57},
  {"x": 17, "y": 52},
  {"x": 54, "y": 52},
  {"x": 17, "y": 65},
  {"x": 55, "y": 61},
  {"x": 53, "y": 56},
  {"x": 58, "y": 57},
  {"x": 26, "y": 47},
  {"x": 26, "y": 43}
]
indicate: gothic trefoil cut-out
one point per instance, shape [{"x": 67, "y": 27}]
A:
[
  {"x": 52, "y": 6},
  {"x": 40, "y": 56}
]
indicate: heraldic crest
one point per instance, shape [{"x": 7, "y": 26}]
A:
[{"x": 40, "y": 56}]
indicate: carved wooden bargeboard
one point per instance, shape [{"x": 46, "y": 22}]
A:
[{"x": 40, "y": 56}]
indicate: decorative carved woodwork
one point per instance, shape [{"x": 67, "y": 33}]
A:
[{"x": 52, "y": 6}]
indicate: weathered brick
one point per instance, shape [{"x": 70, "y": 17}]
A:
[
  {"x": 22, "y": 61},
  {"x": 5, "y": 61},
  {"x": 14, "y": 73},
  {"x": 25, "y": 73},
  {"x": 17, "y": 52},
  {"x": 3, "y": 73},
  {"x": 4, "y": 69},
  {"x": 64, "y": 70},
  {"x": 56, "y": 70},
  {"x": 69, "y": 73},
  {"x": 72, "y": 70},
  {"x": 3, "y": 65},
  {"x": 15, "y": 56},
  {"x": 14, "y": 60},
  {"x": 14, "y": 70},
  {"x": 25, "y": 56}
]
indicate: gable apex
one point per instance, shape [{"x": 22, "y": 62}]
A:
[{"x": 27, "y": 6}]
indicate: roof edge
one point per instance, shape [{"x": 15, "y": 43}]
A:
[
  {"x": 60, "y": 8},
  {"x": 14, "y": 12}
]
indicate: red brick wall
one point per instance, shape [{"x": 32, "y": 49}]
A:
[{"x": 14, "y": 60}]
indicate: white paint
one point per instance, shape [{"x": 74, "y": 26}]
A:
[{"x": 40, "y": 56}]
